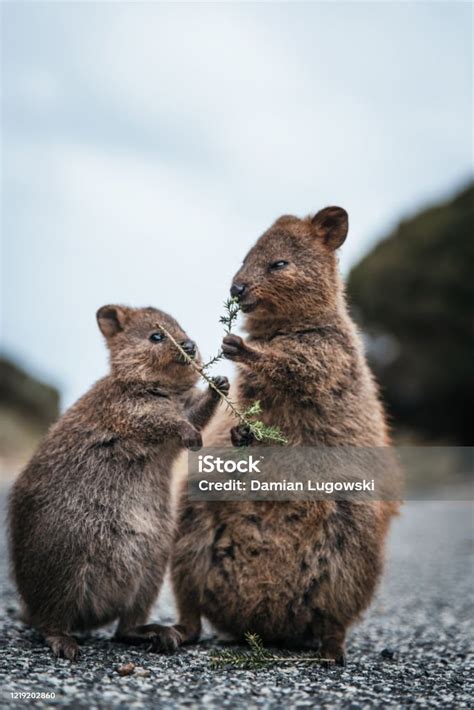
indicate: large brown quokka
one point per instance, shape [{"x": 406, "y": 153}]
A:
[
  {"x": 90, "y": 520},
  {"x": 296, "y": 573}
]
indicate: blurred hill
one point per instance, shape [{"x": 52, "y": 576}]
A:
[
  {"x": 413, "y": 296},
  {"x": 27, "y": 408}
]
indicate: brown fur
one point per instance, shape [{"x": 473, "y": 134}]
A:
[
  {"x": 297, "y": 573},
  {"x": 90, "y": 520}
]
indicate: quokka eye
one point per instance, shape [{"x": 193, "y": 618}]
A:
[
  {"x": 280, "y": 264},
  {"x": 156, "y": 337}
]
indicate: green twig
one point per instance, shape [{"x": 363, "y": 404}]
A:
[
  {"x": 259, "y": 430},
  {"x": 232, "y": 309},
  {"x": 257, "y": 656}
]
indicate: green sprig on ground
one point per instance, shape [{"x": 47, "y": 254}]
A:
[{"x": 256, "y": 656}]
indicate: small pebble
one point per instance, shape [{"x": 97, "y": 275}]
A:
[
  {"x": 141, "y": 672},
  {"x": 126, "y": 669}
]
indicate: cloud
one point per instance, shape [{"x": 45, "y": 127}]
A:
[{"x": 147, "y": 145}]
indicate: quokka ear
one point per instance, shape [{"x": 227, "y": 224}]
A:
[
  {"x": 111, "y": 320},
  {"x": 331, "y": 225}
]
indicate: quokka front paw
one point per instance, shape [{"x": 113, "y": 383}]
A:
[
  {"x": 222, "y": 384},
  {"x": 191, "y": 439},
  {"x": 241, "y": 436},
  {"x": 235, "y": 349}
]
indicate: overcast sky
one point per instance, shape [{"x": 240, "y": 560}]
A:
[{"x": 147, "y": 145}]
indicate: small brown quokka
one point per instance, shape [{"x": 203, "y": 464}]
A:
[
  {"x": 296, "y": 573},
  {"x": 89, "y": 518}
]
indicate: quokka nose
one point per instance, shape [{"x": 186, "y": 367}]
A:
[
  {"x": 237, "y": 290},
  {"x": 189, "y": 347}
]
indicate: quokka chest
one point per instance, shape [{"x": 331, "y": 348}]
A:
[
  {"x": 301, "y": 418},
  {"x": 125, "y": 494},
  {"x": 269, "y": 528},
  {"x": 275, "y": 561},
  {"x": 276, "y": 397}
]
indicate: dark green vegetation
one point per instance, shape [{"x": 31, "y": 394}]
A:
[
  {"x": 257, "y": 656},
  {"x": 27, "y": 408},
  {"x": 413, "y": 296}
]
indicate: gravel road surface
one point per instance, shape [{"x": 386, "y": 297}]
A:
[{"x": 414, "y": 647}]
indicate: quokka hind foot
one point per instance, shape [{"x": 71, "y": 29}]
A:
[
  {"x": 331, "y": 649},
  {"x": 63, "y": 646},
  {"x": 164, "y": 639},
  {"x": 334, "y": 653}
]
